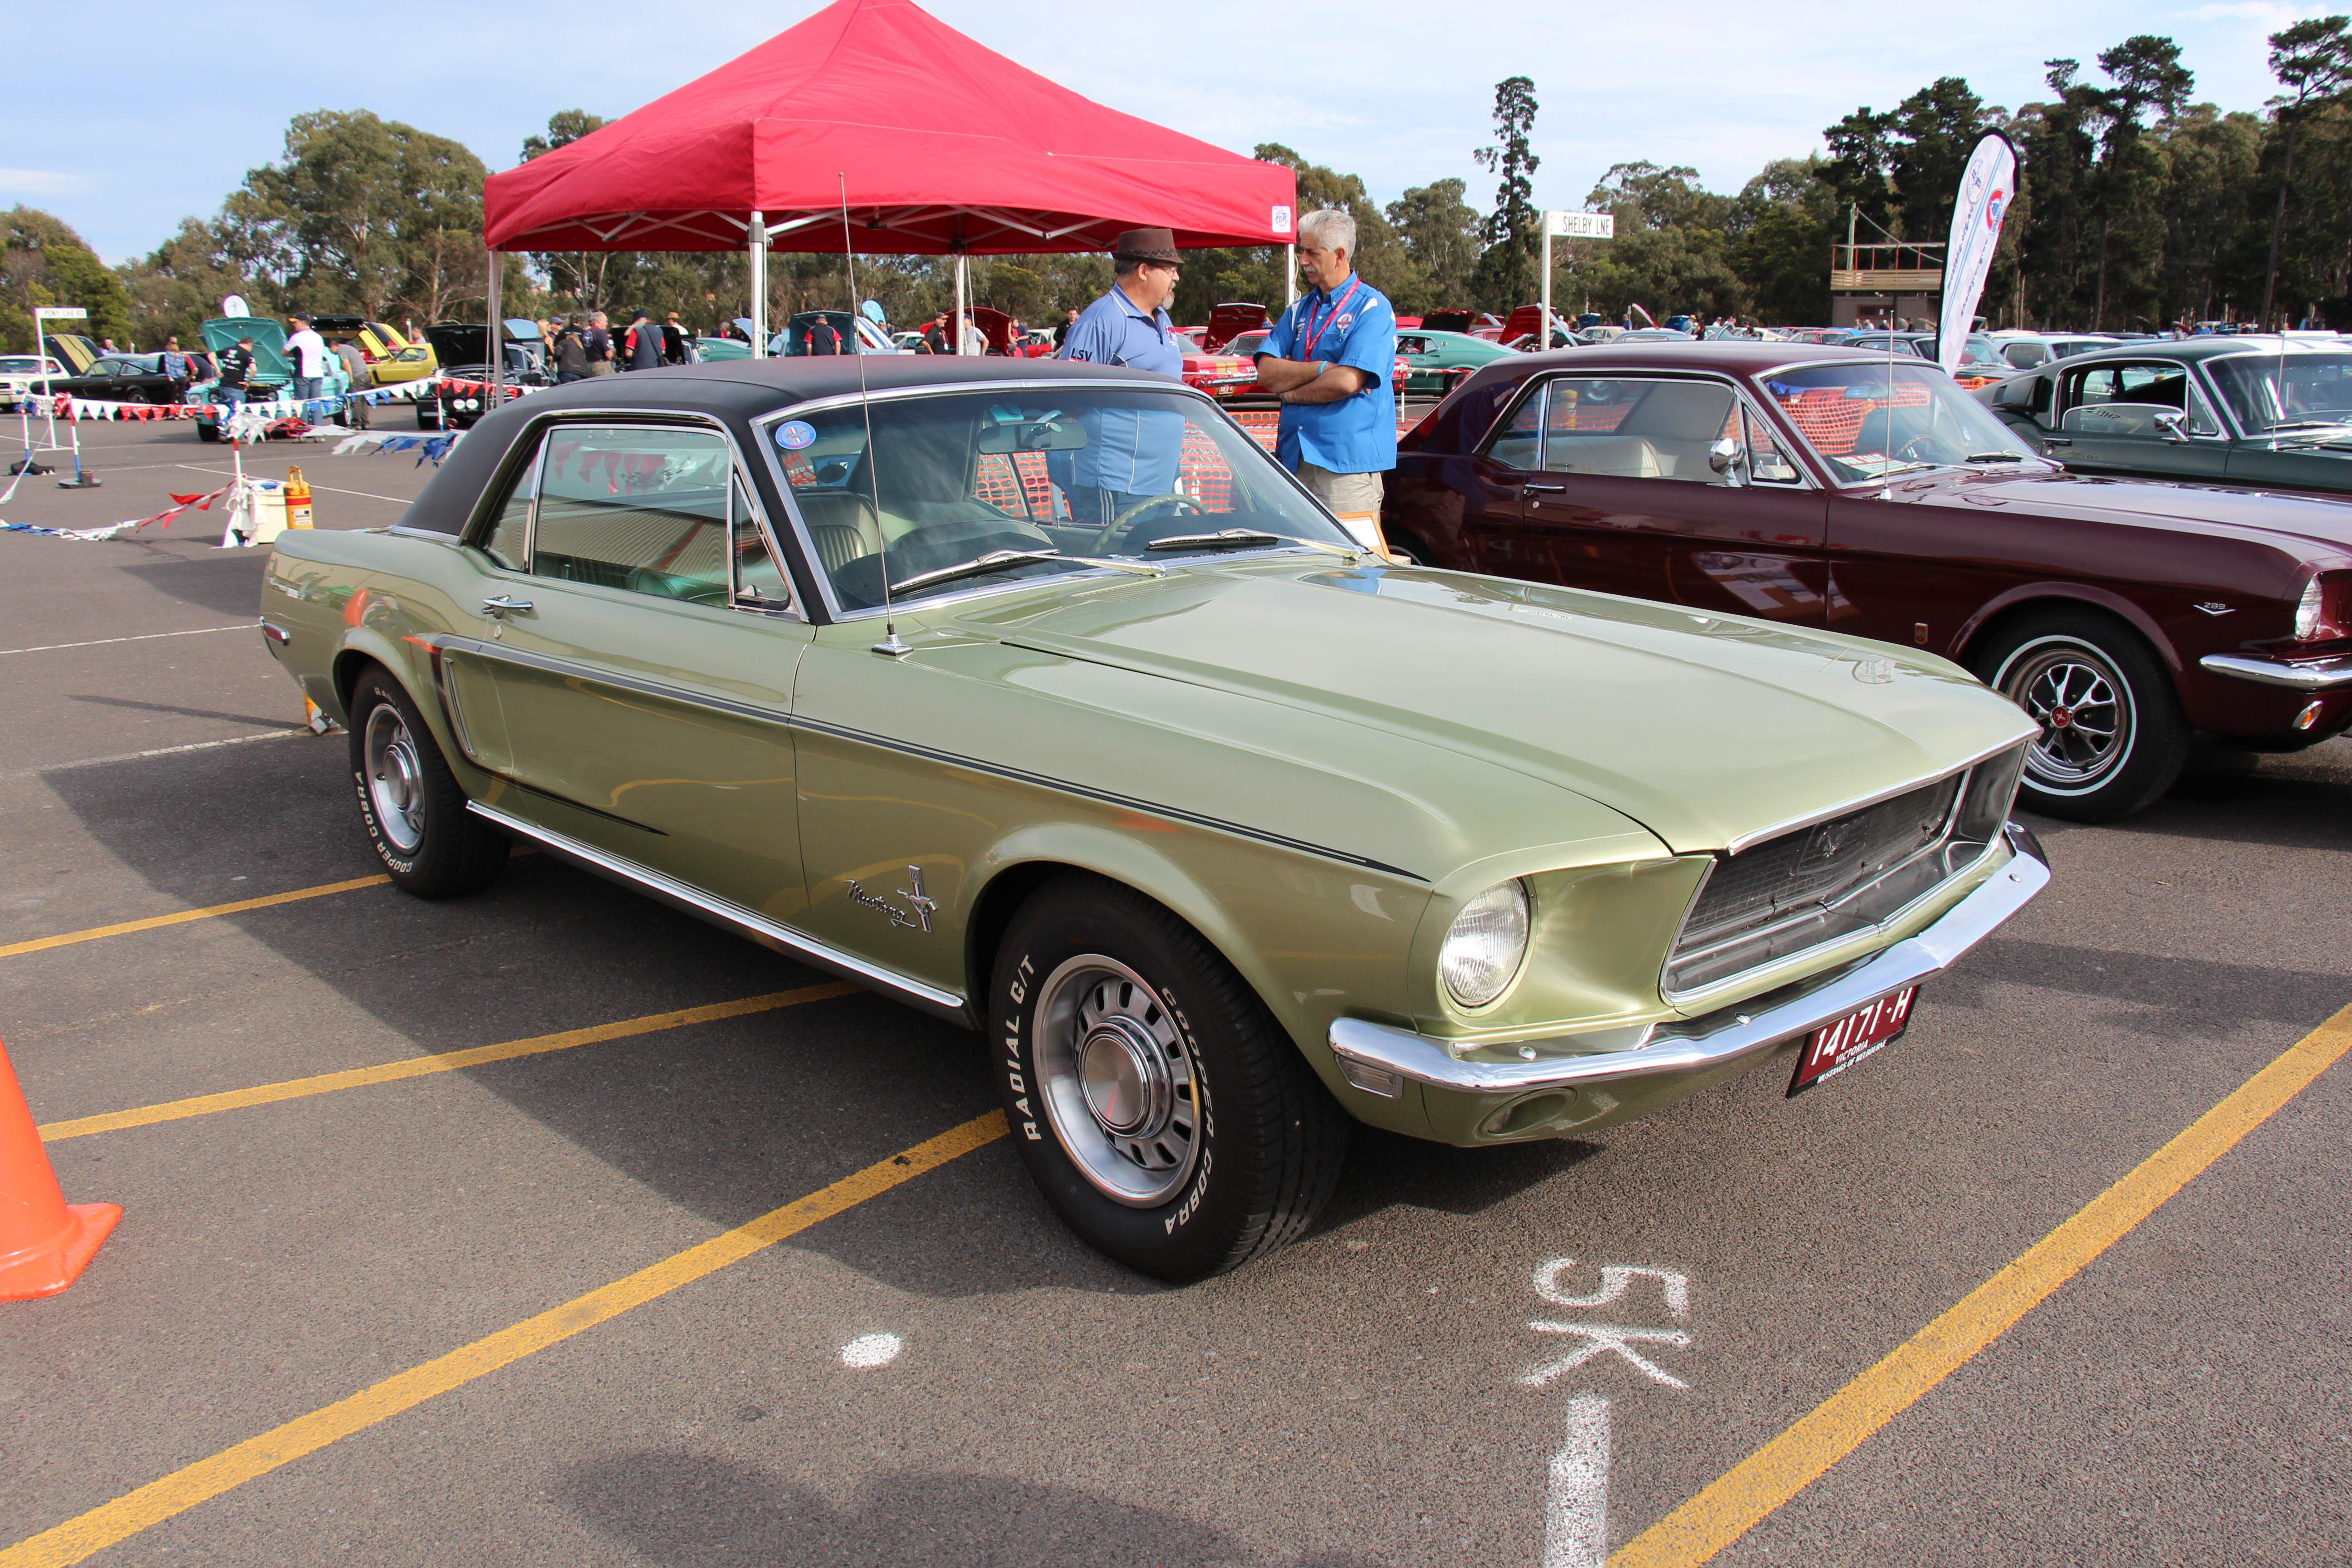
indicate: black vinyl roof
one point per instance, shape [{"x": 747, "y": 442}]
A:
[{"x": 733, "y": 390}]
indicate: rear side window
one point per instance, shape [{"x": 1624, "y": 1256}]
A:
[
  {"x": 644, "y": 509},
  {"x": 1520, "y": 443}
]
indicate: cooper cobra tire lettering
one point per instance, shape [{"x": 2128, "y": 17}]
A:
[{"x": 1265, "y": 1140}]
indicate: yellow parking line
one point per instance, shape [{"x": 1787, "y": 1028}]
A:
[
  {"x": 446, "y": 1061},
  {"x": 68, "y": 939},
  {"x": 158, "y": 1500},
  {"x": 1792, "y": 1461}
]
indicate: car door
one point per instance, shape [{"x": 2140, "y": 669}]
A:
[
  {"x": 2111, "y": 419},
  {"x": 1670, "y": 488},
  {"x": 635, "y": 661}
]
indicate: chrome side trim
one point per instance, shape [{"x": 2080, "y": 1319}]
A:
[
  {"x": 2320, "y": 675},
  {"x": 1747, "y": 840},
  {"x": 577, "y": 670},
  {"x": 945, "y": 1004},
  {"x": 1721, "y": 1038},
  {"x": 406, "y": 530},
  {"x": 777, "y": 715}
]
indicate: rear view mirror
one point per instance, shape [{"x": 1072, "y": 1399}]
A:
[{"x": 1034, "y": 435}]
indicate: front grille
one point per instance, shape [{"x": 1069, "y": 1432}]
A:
[{"x": 1830, "y": 880}]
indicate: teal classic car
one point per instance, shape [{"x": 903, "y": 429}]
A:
[
  {"x": 2264, "y": 412},
  {"x": 1219, "y": 830},
  {"x": 1438, "y": 361},
  {"x": 272, "y": 370}
]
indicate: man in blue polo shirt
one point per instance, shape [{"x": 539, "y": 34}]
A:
[
  {"x": 1130, "y": 455},
  {"x": 1332, "y": 358}
]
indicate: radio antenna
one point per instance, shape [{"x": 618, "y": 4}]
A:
[{"x": 889, "y": 645}]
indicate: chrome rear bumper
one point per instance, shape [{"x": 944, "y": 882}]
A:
[{"x": 1379, "y": 1057}]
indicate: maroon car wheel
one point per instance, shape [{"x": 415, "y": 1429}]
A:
[{"x": 2112, "y": 737}]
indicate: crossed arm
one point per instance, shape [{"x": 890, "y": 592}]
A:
[{"x": 1301, "y": 381}]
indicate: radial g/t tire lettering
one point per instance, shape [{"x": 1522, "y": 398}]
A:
[
  {"x": 1160, "y": 1109},
  {"x": 411, "y": 804}
]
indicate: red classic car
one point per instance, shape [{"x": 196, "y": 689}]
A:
[{"x": 1756, "y": 482}]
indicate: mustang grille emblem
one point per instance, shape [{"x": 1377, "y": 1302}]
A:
[{"x": 923, "y": 906}]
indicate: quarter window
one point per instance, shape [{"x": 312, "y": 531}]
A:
[
  {"x": 1520, "y": 443},
  {"x": 644, "y": 508},
  {"x": 1768, "y": 462},
  {"x": 508, "y": 543}
]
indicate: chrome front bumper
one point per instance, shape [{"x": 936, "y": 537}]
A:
[
  {"x": 2317, "y": 675},
  {"x": 1379, "y": 1057}
]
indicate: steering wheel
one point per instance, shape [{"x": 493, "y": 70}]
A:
[
  {"x": 1916, "y": 449},
  {"x": 1127, "y": 519}
]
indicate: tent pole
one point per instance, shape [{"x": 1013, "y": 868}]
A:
[
  {"x": 757, "y": 239},
  {"x": 962, "y": 299},
  {"x": 1289, "y": 275},
  {"x": 497, "y": 339}
]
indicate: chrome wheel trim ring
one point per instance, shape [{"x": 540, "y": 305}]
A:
[
  {"x": 2084, "y": 706},
  {"x": 396, "y": 779},
  {"x": 1117, "y": 1080}
]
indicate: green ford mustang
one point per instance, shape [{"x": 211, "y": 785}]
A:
[{"x": 1036, "y": 696}]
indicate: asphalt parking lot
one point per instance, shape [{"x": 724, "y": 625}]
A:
[{"x": 925, "y": 1366}]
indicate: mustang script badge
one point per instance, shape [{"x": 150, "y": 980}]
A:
[{"x": 923, "y": 905}]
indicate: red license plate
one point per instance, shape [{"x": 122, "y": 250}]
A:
[{"x": 1833, "y": 1047}]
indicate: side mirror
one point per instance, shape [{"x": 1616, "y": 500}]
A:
[
  {"x": 1724, "y": 457},
  {"x": 2173, "y": 426}
]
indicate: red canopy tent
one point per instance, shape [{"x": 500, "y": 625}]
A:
[{"x": 946, "y": 148}]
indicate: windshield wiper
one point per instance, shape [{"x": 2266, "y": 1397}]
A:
[
  {"x": 978, "y": 566},
  {"x": 2307, "y": 424},
  {"x": 1995, "y": 457},
  {"x": 1000, "y": 560},
  {"x": 1243, "y": 539}
]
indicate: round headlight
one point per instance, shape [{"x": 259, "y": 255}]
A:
[
  {"x": 1483, "y": 949},
  {"x": 2306, "y": 612}
]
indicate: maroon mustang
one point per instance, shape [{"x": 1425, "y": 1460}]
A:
[{"x": 1831, "y": 489}]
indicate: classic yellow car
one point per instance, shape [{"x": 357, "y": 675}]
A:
[{"x": 1037, "y": 697}]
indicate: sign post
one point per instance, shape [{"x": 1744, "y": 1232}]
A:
[{"x": 1566, "y": 226}]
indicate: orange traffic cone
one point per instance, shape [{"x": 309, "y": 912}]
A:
[{"x": 44, "y": 1241}]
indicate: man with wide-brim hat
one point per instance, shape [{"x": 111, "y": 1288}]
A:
[{"x": 1130, "y": 456}]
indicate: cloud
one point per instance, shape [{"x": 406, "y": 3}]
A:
[{"x": 36, "y": 182}]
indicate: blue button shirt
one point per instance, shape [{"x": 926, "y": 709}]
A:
[
  {"x": 1127, "y": 449},
  {"x": 1355, "y": 326}
]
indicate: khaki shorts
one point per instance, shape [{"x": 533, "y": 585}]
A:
[{"x": 1354, "y": 499}]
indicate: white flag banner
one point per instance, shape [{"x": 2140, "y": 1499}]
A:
[{"x": 1988, "y": 185}]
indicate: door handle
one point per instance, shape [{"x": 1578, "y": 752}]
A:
[
  {"x": 499, "y": 606},
  {"x": 1546, "y": 489},
  {"x": 2057, "y": 440}
]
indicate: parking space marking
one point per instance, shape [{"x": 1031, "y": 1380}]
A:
[
  {"x": 184, "y": 1489},
  {"x": 210, "y": 912},
  {"x": 1742, "y": 1498},
  {"x": 446, "y": 1061},
  {"x": 143, "y": 637},
  {"x": 152, "y": 752}
]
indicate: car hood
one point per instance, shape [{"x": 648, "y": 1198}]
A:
[
  {"x": 2283, "y": 515},
  {"x": 1708, "y": 731}
]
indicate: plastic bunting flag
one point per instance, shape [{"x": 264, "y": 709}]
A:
[{"x": 163, "y": 519}]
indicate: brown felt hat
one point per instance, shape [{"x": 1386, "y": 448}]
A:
[{"x": 1156, "y": 246}]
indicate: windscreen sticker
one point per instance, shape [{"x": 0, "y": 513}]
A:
[{"x": 794, "y": 434}]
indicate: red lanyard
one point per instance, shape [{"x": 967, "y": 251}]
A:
[{"x": 1315, "y": 333}]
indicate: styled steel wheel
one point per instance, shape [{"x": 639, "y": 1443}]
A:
[
  {"x": 1163, "y": 1112},
  {"x": 2084, "y": 707},
  {"x": 2112, "y": 737},
  {"x": 411, "y": 804},
  {"x": 394, "y": 778},
  {"x": 1117, "y": 1080}
]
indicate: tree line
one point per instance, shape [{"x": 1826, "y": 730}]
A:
[{"x": 2138, "y": 207}]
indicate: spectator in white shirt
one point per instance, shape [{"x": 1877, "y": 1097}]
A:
[{"x": 307, "y": 349}]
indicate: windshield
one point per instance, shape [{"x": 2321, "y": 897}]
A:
[
  {"x": 1870, "y": 420},
  {"x": 1086, "y": 473},
  {"x": 2269, "y": 392}
]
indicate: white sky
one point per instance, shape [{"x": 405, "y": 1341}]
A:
[{"x": 164, "y": 119}]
